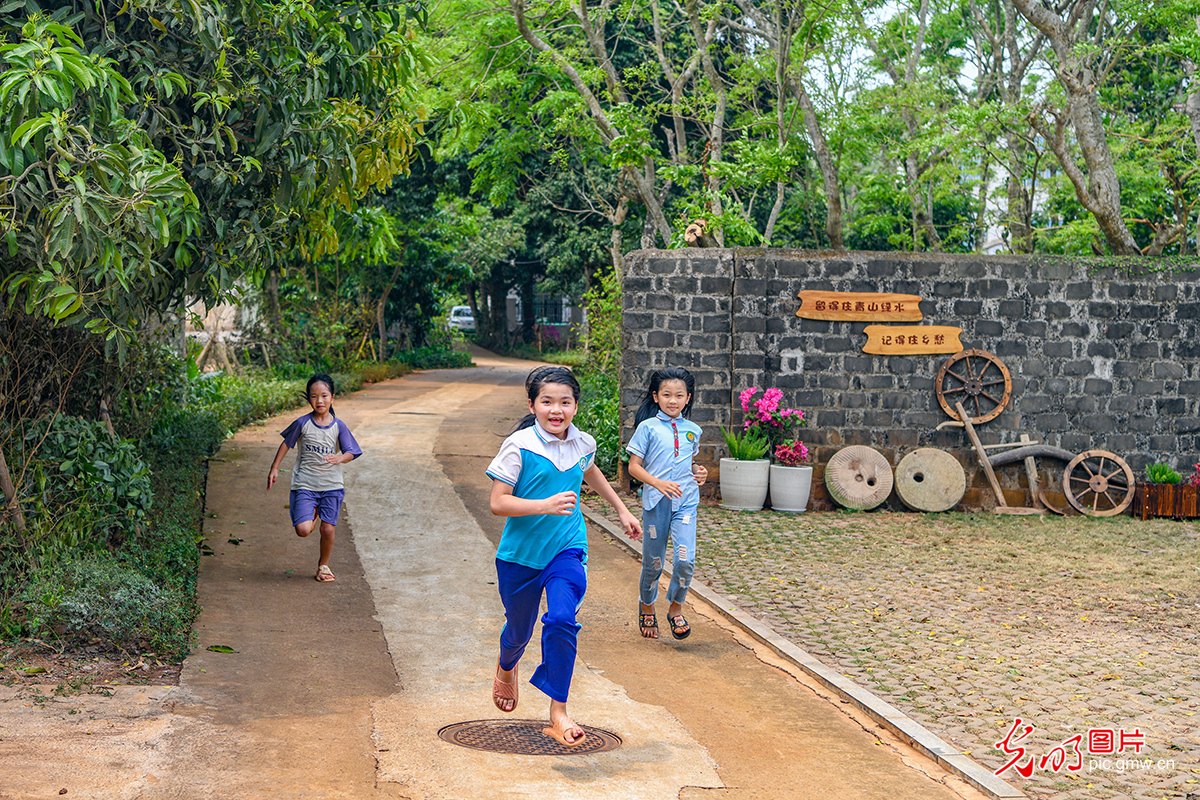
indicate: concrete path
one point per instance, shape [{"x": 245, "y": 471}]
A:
[{"x": 338, "y": 690}]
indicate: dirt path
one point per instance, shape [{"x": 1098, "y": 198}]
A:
[{"x": 337, "y": 690}]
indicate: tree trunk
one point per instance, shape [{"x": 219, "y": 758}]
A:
[
  {"x": 11, "y": 504},
  {"x": 825, "y": 162},
  {"x": 381, "y": 306},
  {"x": 1099, "y": 191},
  {"x": 271, "y": 287}
]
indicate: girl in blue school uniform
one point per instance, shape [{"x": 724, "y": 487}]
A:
[
  {"x": 536, "y": 478},
  {"x": 660, "y": 456}
]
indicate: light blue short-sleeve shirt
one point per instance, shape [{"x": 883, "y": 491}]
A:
[
  {"x": 667, "y": 446},
  {"x": 538, "y": 464}
]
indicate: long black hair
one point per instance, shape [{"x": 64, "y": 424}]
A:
[
  {"x": 649, "y": 406},
  {"x": 539, "y": 377},
  {"x": 321, "y": 377}
]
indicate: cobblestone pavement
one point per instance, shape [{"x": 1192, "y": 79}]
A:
[{"x": 967, "y": 622}]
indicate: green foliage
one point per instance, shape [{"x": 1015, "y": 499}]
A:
[
  {"x": 602, "y": 340},
  {"x": 96, "y": 597},
  {"x": 160, "y": 151},
  {"x": 1162, "y": 473},
  {"x": 78, "y": 460},
  {"x": 749, "y": 446},
  {"x": 435, "y": 358},
  {"x": 600, "y": 415}
]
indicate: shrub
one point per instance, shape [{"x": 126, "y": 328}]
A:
[
  {"x": 83, "y": 459},
  {"x": 600, "y": 415},
  {"x": 94, "y": 597},
  {"x": 435, "y": 358},
  {"x": 750, "y": 446}
]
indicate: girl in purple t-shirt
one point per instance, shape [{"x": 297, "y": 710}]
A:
[{"x": 325, "y": 443}]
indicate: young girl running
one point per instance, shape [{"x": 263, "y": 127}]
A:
[
  {"x": 317, "y": 488},
  {"x": 536, "y": 478},
  {"x": 660, "y": 456}
]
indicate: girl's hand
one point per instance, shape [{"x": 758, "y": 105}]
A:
[
  {"x": 561, "y": 504},
  {"x": 333, "y": 459},
  {"x": 272, "y": 476},
  {"x": 669, "y": 488},
  {"x": 633, "y": 528},
  {"x": 700, "y": 474}
]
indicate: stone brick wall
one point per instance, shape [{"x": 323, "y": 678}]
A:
[{"x": 1099, "y": 358}]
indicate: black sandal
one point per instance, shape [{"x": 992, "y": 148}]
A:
[
  {"x": 648, "y": 622},
  {"x": 681, "y": 625}
]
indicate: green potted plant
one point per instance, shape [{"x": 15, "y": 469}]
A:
[
  {"x": 745, "y": 473},
  {"x": 1166, "y": 493},
  {"x": 791, "y": 479}
]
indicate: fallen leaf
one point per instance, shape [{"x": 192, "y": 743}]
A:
[{"x": 220, "y": 648}]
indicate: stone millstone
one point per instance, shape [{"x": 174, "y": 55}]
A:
[
  {"x": 930, "y": 480},
  {"x": 858, "y": 477}
]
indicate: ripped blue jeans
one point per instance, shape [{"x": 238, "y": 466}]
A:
[{"x": 680, "y": 525}]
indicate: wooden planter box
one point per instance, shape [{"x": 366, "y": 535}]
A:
[{"x": 1166, "y": 500}]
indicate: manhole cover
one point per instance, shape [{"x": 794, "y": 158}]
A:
[{"x": 524, "y": 737}]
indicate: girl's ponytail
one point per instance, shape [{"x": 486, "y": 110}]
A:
[{"x": 649, "y": 406}]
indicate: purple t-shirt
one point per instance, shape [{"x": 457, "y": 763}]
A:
[{"x": 313, "y": 443}]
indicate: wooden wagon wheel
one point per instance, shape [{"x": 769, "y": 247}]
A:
[
  {"x": 978, "y": 380},
  {"x": 1098, "y": 483}
]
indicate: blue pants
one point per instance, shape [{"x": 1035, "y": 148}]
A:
[
  {"x": 680, "y": 524},
  {"x": 564, "y": 580}
]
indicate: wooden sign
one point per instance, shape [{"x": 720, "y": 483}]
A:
[
  {"x": 859, "y": 306},
  {"x": 907, "y": 340}
]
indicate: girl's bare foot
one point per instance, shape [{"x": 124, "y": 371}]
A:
[
  {"x": 562, "y": 727},
  {"x": 504, "y": 688}
]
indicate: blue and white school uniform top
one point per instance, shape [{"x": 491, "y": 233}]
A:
[
  {"x": 667, "y": 447},
  {"x": 537, "y": 465}
]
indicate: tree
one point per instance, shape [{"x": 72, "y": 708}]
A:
[{"x": 213, "y": 140}]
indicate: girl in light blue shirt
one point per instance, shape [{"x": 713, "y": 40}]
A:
[{"x": 660, "y": 456}]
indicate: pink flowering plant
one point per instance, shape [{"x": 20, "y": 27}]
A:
[
  {"x": 791, "y": 455},
  {"x": 767, "y": 416}
]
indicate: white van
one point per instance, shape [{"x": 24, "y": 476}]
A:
[{"x": 461, "y": 318}]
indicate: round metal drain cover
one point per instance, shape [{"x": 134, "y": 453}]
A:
[{"x": 524, "y": 737}]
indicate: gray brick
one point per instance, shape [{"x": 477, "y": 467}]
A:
[
  {"x": 1164, "y": 444},
  {"x": 1032, "y": 328},
  {"x": 1122, "y": 291},
  {"x": 1077, "y": 368},
  {"x": 1033, "y": 367},
  {"x": 1034, "y": 403},
  {"x": 1057, "y": 310},
  {"x": 949, "y": 289},
  {"x": 879, "y": 419},
  {"x": 1058, "y": 386},
  {"x": 1127, "y": 369},
  {"x": 1166, "y": 292},
  {"x": 1102, "y": 349},
  {"x": 853, "y": 400},
  {"x": 1099, "y": 423},
  {"x": 1076, "y": 329},
  {"x": 1079, "y": 291},
  {"x": 881, "y": 269},
  {"x": 1057, "y": 349},
  {"x": 988, "y": 327},
  {"x": 1097, "y": 386},
  {"x": 1148, "y": 388},
  {"x": 1187, "y": 425},
  {"x": 660, "y": 340},
  {"x": 1171, "y": 406},
  {"x": 1104, "y": 310},
  {"x": 1168, "y": 370},
  {"x": 834, "y": 381},
  {"x": 1014, "y": 309},
  {"x": 1145, "y": 311},
  {"x": 1079, "y": 404},
  {"x": 1145, "y": 350},
  {"x": 965, "y": 309}
]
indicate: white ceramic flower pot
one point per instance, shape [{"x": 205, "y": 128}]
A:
[
  {"x": 790, "y": 487},
  {"x": 744, "y": 484}
]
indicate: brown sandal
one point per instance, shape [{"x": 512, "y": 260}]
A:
[{"x": 503, "y": 690}]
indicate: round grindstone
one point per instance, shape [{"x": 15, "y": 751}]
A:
[
  {"x": 858, "y": 477},
  {"x": 524, "y": 737},
  {"x": 930, "y": 480}
]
